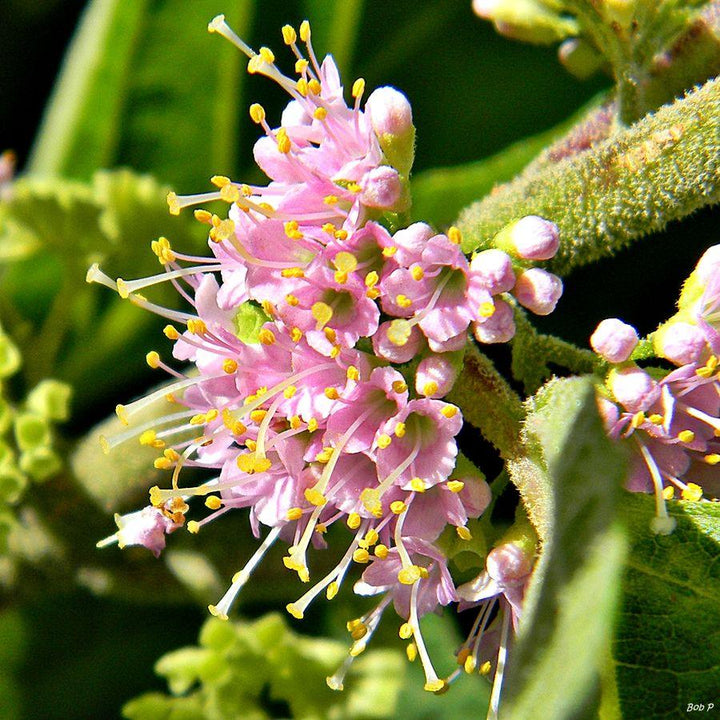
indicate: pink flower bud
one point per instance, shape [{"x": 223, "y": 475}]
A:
[
  {"x": 708, "y": 264},
  {"x": 538, "y": 290},
  {"x": 388, "y": 350},
  {"x": 435, "y": 376},
  {"x": 533, "y": 238},
  {"x": 390, "y": 112},
  {"x": 681, "y": 343},
  {"x": 507, "y": 564},
  {"x": 498, "y": 328},
  {"x": 633, "y": 388},
  {"x": 614, "y": 340},
  {"x": 381, "y": 187},
  {"x": 494, "y": 268}
]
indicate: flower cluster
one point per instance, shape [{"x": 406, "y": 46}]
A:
[
  {"x": 671, "y": 418},
  {"x": 324, "y": 344}
]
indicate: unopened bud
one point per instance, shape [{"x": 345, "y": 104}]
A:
[
  {"x": 435, "y": 375},
  {"x": 494, "y": 269},
  {"x": 498, "y": 328},
  {"x": 538, "y": 290},
  {"x": 614, "y": 340},
  {"x": 381, "y": 188},
  {"x": 508, "y": 564},
  {"x": 633, "y": 388},
  {"x": 391, "y": 118},
  {"x": 680, "y": 342},
  {"x": 530, "y": 238}
]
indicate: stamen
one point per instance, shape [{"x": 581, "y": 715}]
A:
[
  {"x": 662, "y": 523},
  {"x": 125, "y": 287}
]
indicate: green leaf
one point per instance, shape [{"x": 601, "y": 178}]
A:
[
  {"x": 141, "y": 82},
  {"x": 335, "y": 25},
  {"x": 667, "y": 648},
  {"x": 570, "y": 606},
  {"x": 661, "y": 169}
]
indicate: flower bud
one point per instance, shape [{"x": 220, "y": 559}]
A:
[
  {"x": 680, "y": 342},
  {"x": 614, "y": 340},
  {"x": 391, "y": 119},
  {"x": 495, "y": 270},
  {"x": 530, "y": 238},
  {"x": 633, "y": 388},
  {"x": 381, "y": 188},
  {"x": 498, "y": 328},
  {"x": 538, "y": 290},
  {"x": 580, "y": 58},
  {"x": 508, "y": 564},
  {"x": 436, "y": 374},
  {"x": 391, "y": 352}
]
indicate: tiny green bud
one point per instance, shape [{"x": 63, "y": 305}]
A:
[
  {"x": 31, "y": 431},
  {"x": 41, "y": 463},
  {"x": 12, "y": 484},
  {"x": 10, "y": 358},
  {"x": 7, "y": 455},
  {"x": 50, "y": 399}
]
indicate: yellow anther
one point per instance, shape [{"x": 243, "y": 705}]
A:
[
  {"x": 399, "y": 332},
  {"x": 329, "y": 228},
  {"x": 194, "y": 527},
  {"x": 321, "y": 528},
  {"x": 295, "y": 422},
  {"x": 418, "y": 485},
  {"x": 358, "y": 631},
  {"x": 251, "y": 445},
  {"x": 398, "y": 507},
  {"x": 283, "y": 141},
  {"x": 430, "y": 388},
  {"x": 294, "y": 513},
  {"x": 345, "y": 261},
  {"x": 656, "y": 419},
  {"x": 202, "y": 216},
  {"x": 257, "y": 416},
  {"x": 148, "y": 438},
  {"x": 312, "y": 425},
  {"x": 449, "y": 411},
  {"x": 153, "y": 359},
  {"x": 294, "y": 610},
  {"x": 293, "y": 272},
  {"x": 320, "y": 113},
  {"x": 637, "y": 419},
  {"x": 470, "y": 664},
  {"x": 353, "y": 521},
  {"x": 436, "y": 686},
  {"x": 302, "y": 85},
  {"x": 305, "y": 31},
  {"x": 301, "y": 66},
  {"x": 352, "y": 373},
  {"x": 454, "y": 235},
  {"x": 289, "y": 391},
  {"x": 198, "y": 419},
  {"x": 291, "y": 300},
  {"x": 371, "y": 537},
  {"x": 358, "y": 88},
  {"x": 162, "y": 463},
  {"x": 266, "y": 336},
  {"x": 371, "y": 279},
  {"x": 399, "y": 386},
  {"x": 712, "y": 459},
  {"x": 296, "y": 334},
  {"x": 324, "y": 456},
  {"x": 262, "y": 464},
  {"x": 485, "y": 668},
  {"x": 341, "y": 235},
  {"x": 455, "y": 486},
  {"x": 409, "y": 575},
  {"x": 463, "y": 532},
  {"x": 322, "y": 313},
  {"x": 692, "y": 492},
  {"x": 373, "y": 293},
  {"x": 211, "y": 414},
  {"x": 213, "y": 502},
  {"x": 315, "y": 497},
  {"x": 384, "y": 441},
  {"x": 361, "y": 556},
  {"x": 332, "y": 590},
  {"x": 400, "y": 430},
  {"x": 389, "y": 251},
  {"x": 173, "y": 203},
  {"x": 229, "y": 193},
  {"x": 170, "y": 332},
  {"x": 229, "y": 366},
  {"x": 331, "y": 393},
  {"x": 486, "y": 309},
  {"x": 686, "y": 436},
  {"x": 330, "y": 334},
  {"x": 417, "y": 273},
  {"x": 289, "y": 35},
  {"x": 196, "y": 326},
  {"x": 267, "y": 54},
  {"x": 411, "y": 652},
  {"x": 219, "y": 180},
  {"x": 405, "y": 631},
  {"x": 292, "y": 230},
  {"x": 668, "y": 493},
  {"x": 330, "y": 199},
  {"x": 314, "y": 87},
  {"x": 370, "y": 498},
  {"x": 381, "y": 551},
  {"x": 403, "y": 301}
]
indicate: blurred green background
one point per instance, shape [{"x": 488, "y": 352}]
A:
[{"x": 80, "y": 628}]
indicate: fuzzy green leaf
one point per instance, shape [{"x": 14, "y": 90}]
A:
[
  {"x": 570, "y": 606},
  {"x": 661, "y": 169},
  {"x": 667, "y": 649}
]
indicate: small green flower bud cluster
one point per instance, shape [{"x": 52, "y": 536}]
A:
[{"x": 26, "y": 434}]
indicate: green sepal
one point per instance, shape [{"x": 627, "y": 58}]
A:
[{"x": 248, "y": 321}]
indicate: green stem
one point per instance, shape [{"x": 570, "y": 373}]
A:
[
  {"x": 489, "y": 403},
  {"x": 663, "y": 168}
]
